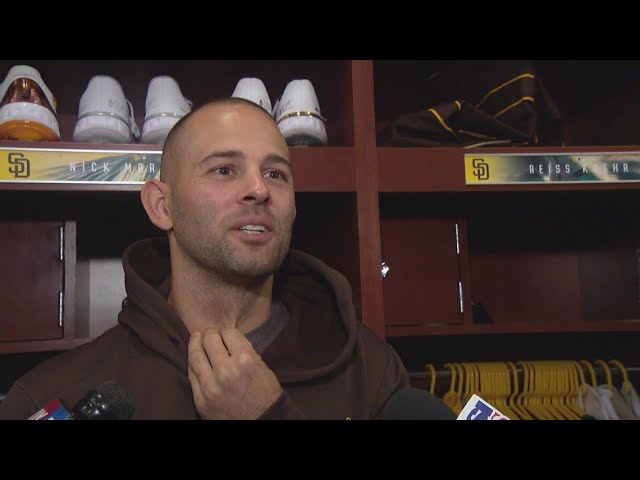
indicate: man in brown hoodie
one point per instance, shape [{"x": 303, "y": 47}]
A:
[{"x": 222, "y": 320}]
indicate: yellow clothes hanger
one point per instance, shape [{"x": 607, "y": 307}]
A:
[
  {"x": 626, "y": 384},
  {"x": 567, "y": 380},
  {"x": 581, "y": 388},
  {"x": 512, "y": 400},
  {"x": 432, "y": 371},
  {"x": 566, "y": 391},
  {"x": 488, "y": 384},
  {"x": 503, "y": 389},
  {"x": 485, "y": 382},
  {"x": 529, "y": 400},
  {"x": 552, "y": 386},
  {"x": 475, "y": 376},
  {"x": 460, "y": 371},
  {"x": 544, "y": 372},
  {"x": 468, "y": 383},
  {"x": 549, "y": 389},
  {"x": 607, "y": 372},
  {"x": 592, "y": 372},
  {"x": 522, "y": 399},
  {"x": 452, "y": 397},
  {"x": 535, "y": 397}
]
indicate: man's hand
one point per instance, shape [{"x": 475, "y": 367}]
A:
[{"x": 228, "y": 378}]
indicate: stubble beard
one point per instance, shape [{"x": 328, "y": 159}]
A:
[{"x": 220, "y": 255}]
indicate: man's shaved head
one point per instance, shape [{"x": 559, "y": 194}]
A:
[
  {"x": 175, "y": 142},
  {"x": 226, "y": 195}
]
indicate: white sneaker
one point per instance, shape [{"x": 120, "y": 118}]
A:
[
  {"x": 253, "y": 89},
  {"x": 274, "y": 112},
  {"x": 105, "y": 115},
  {"x": 164, "y": 106},
  {"x": 27, "y": 107},
  {"x": 298, "y": 116}
]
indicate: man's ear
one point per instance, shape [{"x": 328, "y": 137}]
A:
[{"x": 154, "y": 200}]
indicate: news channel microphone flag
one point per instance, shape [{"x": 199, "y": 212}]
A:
[{"x": 479, "y": 409}]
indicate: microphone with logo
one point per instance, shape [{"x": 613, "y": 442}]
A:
[
  {"x": 479, "y": 409},
  {"x": 416, "y": 404},
  {"x": 109, "y": 401}
]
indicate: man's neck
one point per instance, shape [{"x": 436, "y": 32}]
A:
[{"x": 203, "y": 300}]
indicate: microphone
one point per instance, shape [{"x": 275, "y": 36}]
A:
[
  {"x": 109, "y": 401},
  {"x": 479, "y": 409},
  {"x": 416, "y": 404}
]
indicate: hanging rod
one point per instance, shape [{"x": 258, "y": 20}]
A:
[{"x": 447, "y": 373}]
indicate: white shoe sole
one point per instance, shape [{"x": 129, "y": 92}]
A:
[
  {"x": 303, "y": 130},
  {"x": 155, "y": 130},
  {"x": 101, "y": 129},
  {"x": 29, "y": 112}
]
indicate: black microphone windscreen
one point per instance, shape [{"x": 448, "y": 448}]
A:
[
  {"x": 416, "y": 404},
  {"x": 117, "y": 398},
  {"x": 109, "y": 401}
]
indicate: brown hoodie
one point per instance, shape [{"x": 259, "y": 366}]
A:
[{"x": 330, "y": 365}]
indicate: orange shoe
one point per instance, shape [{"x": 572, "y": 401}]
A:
[{"x": 27, "y": 107}]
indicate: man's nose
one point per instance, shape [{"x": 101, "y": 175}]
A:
[{"x": 255, "y": 189}]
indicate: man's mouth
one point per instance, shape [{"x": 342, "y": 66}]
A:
[{"x": 253, "y": 229}]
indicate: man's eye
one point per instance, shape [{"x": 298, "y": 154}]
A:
[
  {"x": 275, "y": 174},
  {"x": 222, "y": 170}
]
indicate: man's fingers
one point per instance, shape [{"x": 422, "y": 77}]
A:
[
  {"x": 214, "y": 347},
  {"x": 198, "y": 359},
  {"x": 237, "y": 343},
  {"x": 195, "y": 387}
]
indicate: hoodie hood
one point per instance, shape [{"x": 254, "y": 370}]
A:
[{"x": 318, "y": 339}]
